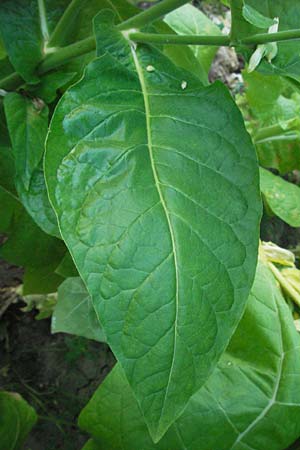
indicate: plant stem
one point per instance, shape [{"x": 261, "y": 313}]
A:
[
  {"x": 284, "y": 284},
  {"x": 43, "y": 21},
  {"x": 274, "y": 130},
  {"x": 263, "y": 38},
  {"x": 65, "y": 23},
  {"x": 151, "y": 14},
  {"x": 64, "y": 54},
  {"x": 180, "y": 40}
]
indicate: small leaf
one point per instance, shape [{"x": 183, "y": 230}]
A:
[
  {"x": 282, "y": 197},
  {"x": 256, "y": 57},
  {"x": 189, "y": 20},
  {"x": 27, "y": 121},
  {"x": 17, "y": 418},
  {"x": 256, "y": 18},
  {"x": 74, "y": 312}
]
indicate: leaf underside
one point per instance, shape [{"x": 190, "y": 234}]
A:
[{"x": 163, "y": 218}]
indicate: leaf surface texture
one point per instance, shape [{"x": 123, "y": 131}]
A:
[{"x": 163, "y": 218}]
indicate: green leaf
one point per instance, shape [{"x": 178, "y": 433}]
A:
[
  {"x": 17, "y": 418},
  {"x": 28, "y": 246},
  {"x": 27, "y": 122},
  {"x": 7, "y": 170},
  {"x": 74, "y": 312},
  {"x": 2, "y": 50},
  {"x": 10, "y": 205},
  {"x": 256, "y": 18},
  {"x": 81, "y": 26},
  {"x": 189, "y": 20},
  {"x": 66, "y": 267},
  {"x": 282, "y": 197},
  {"x": 41, "y": 280},
  {"x": 25, "y": 32},
  {"x": 254, "y": 386},
  {"x": 240, "y": 27},
  {"x": 153, "y": 169},
  {"x": 287, "y": 62},
  {"x": 90, "y": 445},
  {"x": 51, "y": 83},
  {"x": 273, "y": 106},
  {"x": 262, "y": 94},
  {"x": 181, "y": 55}
]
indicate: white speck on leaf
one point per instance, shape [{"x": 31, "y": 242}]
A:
[
  {"x": 183, "y": 85},
  {"x": 150, "y": 68}
]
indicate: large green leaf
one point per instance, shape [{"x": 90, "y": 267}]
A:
[
  {"x": 74, "y": 312},
  {"x": 189, "y": 20},
  {"x": 17, "y": 418},
  {"x": 282, "y": 197},
  {"x": 251, "y": 401},
  {"x": 163, "y": 218},
  {"x": 27, "y": 122}
]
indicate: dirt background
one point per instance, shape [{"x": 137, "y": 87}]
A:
[{"x": 57, "y": 374}]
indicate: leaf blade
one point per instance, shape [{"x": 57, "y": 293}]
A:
[
  {"x": 74, "y": 312},
  {"x": 282, "y": 197},
  {"x": 253, "y": 386},
  {"x": 138, "y": 201}
]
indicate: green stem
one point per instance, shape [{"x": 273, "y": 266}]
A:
[
  {"x": 64, "y": 54},
  {"x": 274, "y": 130},
  {"x": 66, "y": 22},
  {"x": 263, "y": 38},
  {"x": 151, "y": 14},
  {"x": 43, "y": 20},
  {"x": 180, "y": 40},
  {"x": 290, "y": 291}
]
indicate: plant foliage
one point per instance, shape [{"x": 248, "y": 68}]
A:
[{"x": 132, "y": 187}]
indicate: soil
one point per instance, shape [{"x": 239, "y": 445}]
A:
[{"x": 57, "y": 374}]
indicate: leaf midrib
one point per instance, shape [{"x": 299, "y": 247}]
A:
[{"x": 140, "y": 74}]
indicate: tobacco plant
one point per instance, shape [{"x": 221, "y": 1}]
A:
[{"x": 131, "y": 185}]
